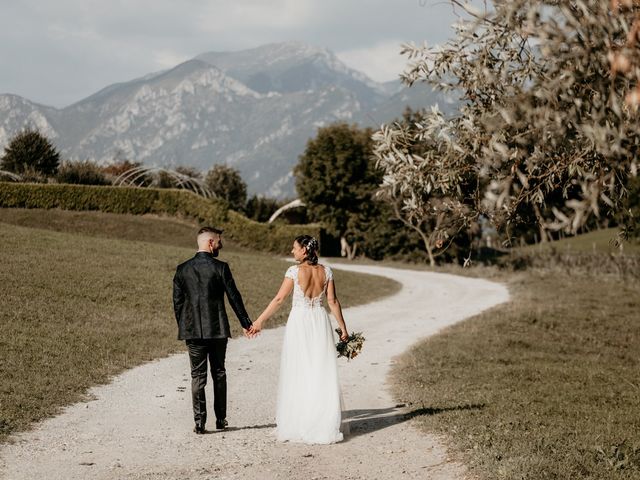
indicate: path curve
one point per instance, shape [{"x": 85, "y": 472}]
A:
[{"x": 139, "y": 425}]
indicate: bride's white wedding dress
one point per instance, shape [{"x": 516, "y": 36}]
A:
[{"x": 309, "y": 407}]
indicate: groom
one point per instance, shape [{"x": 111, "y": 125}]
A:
[{"x": 199, "y": 286}]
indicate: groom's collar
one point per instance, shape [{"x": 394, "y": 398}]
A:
[{"x": 203, "y": 253}]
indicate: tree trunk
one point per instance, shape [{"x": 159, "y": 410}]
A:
[
  {"x": 425, "y": 239},
  {"x": 427, "y": 246},
  {"x": 432, "y": 260},
  {"x": 354, "y": 249},
  {"x": 543, "y": 231},
  {"x": 347, "y": 250}
]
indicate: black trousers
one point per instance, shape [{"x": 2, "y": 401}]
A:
[{"x": 215, "y": 350}]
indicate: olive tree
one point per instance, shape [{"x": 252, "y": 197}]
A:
[
  {"x": 549, "y": 94},
  {"x": 429, "y": 191}
]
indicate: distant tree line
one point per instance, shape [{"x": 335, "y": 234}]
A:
[{"x": 34, "y": 158}]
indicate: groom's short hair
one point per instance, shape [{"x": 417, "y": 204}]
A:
[{"x": 210, "y": 230}]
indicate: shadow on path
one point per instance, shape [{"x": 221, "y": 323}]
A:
[
  {"x": 248, "y": 427},
  {"x": 362, "y": 422}
]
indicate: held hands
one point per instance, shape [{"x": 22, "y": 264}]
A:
[
  {"x": 255, "y": 329},
  {"x": 249, "y": 333}
]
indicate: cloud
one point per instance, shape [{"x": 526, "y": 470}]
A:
[
  {"x": 168, "y": 58},
  {"x": 381, "y": 62},
  {"x": 240, "y": 16},
  {"x": 60, "y": 51}
]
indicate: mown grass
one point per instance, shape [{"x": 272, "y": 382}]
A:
[
  {"x": 598, "y": 241},
  {"x": 77, "y": 309},
  {"x": 544, "y": 387},
  {"x": 143, "y": 228}
]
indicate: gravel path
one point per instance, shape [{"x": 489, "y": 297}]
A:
[{"x": 139, "y": 425}]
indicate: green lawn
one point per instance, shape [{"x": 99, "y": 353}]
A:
[
  {"x": 144, "y": 228},
  {"x": 599, "y": 241},
  {"x": 77, "y": 309},
  {"x": 544, "y": 387}
]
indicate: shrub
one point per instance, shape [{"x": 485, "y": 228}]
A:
[
  {"x": 81, "y": 173},
  {"x": 275, "y": 238},
  {"x": 114, "y": 170},
  {"x": 260, "y": 209},
  {"x": 31, "y": 175}
]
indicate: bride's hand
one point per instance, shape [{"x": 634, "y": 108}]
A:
[
  {"x": 345, "y": 336},
  {"x": 256, "y": 327}
]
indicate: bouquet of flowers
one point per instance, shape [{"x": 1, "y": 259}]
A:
[{"x": 351, "y": 348}]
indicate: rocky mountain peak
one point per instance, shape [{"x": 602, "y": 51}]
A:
[{"x": 252, "y": 109}]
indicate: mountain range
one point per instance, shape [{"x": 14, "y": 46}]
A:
[{"x": 253, "y": 110}]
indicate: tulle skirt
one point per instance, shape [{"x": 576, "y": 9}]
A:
[{"x": 309, "y": 401}]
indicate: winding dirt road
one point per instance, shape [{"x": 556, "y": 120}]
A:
[{"x": 139, "y": 425}]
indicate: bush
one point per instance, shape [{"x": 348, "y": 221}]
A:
[
  {"x": 138, "y": 201},
  {"x": 81, "y": 173},
  {"x": 31, "y": 175},
  {"x": 114, "y": 170},
  {"x": 228, "y": 185},
  {"x": 260, "y": 209}
]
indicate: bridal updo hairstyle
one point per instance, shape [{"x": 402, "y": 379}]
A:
[{"x": 310, "y": 244}]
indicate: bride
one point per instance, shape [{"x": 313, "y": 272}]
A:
[{"x": 308, "y": 408}]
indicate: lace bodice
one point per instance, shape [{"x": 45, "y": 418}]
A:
[{"x": 299, "y": 298}]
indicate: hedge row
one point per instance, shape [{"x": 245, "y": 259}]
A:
[{"x": 274, "y": 238}]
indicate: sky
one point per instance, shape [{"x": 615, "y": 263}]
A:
[{"x": 56, "y": 52}]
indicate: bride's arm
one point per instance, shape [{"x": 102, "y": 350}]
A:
[
  {"x": 274, "y": 305},
  {"x": 336, "y": 309}
]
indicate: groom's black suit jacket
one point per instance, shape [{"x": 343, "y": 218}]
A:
[{"x": 199, "y": 286}]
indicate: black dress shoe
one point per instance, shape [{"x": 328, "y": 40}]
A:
[
  {"x": 199, "y": 429},
  {"x": 221, "y": 424}
]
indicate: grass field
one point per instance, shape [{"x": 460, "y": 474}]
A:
[
  {"x": 598, "y": 241},
  {"x": 544, "y": 387},
  {"x": 79, "y": 308},
  {"x": 143, "y": 228},
  {"x": 547, "y": 386}
]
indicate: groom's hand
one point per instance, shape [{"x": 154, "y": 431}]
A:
[
  {"x": 255, "y": 329},
  {"x": 247, "y": 332},
  {"x": 252, "y": 331}
]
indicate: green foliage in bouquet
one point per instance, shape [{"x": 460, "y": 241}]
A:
[{"x": 352, "y": 347}]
